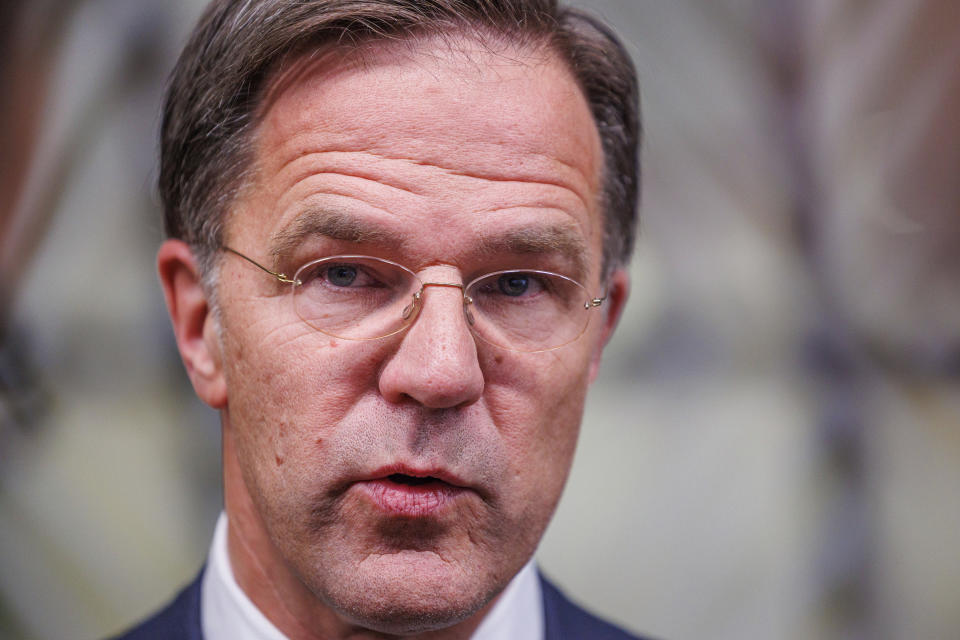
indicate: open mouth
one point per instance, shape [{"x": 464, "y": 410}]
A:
[
  {"x": 412, "y": 481},
  {"x": 404, "y": 495}
]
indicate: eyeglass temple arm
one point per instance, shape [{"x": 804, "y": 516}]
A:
[{"x": 279, "y": 276}]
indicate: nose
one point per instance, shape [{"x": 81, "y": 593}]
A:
[{"x": 436, "y": 363}]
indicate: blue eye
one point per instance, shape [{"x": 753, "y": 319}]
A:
[
  {"x": 513, "y": 284},
  {"x": 341, "y": 275}
]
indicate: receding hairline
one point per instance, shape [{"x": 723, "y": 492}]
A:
[{"x": 461, "y": 41}]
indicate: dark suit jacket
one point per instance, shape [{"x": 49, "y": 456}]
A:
[{"x": 180, "y": 620}]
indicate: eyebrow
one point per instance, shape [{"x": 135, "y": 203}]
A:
[
  {"x": 542, "y": 240},
  {"x": 331, "y": 223},
  {"x": 338, "y": 225}
]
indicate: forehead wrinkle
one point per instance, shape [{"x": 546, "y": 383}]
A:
[
  {"x": 333, "y": 224},
  {"x": 574, "y": 179},
  {"x": 555, "y": 239}
]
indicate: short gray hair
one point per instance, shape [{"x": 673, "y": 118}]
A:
[{"x": 216, "y": 88}]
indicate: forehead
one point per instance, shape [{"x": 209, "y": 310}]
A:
[{"x": 459, "y": 128}]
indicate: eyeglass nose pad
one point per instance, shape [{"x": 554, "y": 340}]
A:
[
  {"x": 410, "y": 308},
  {"x": 467, "y": 301}
]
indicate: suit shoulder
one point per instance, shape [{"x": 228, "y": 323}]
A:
[
  {"x": 567, "y": 621},
  {"x": 179, "y": 619}
]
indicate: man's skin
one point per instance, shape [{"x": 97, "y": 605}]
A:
[{"x": 454, "y": 161}]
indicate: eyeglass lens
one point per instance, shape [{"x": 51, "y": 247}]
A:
[{"x": 363, "y": 298}]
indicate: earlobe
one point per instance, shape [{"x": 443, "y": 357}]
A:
[
  {"x": 617, "y": 293},
  {"x": 194, "y": 324}
]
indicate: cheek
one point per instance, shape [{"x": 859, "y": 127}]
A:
[
  {"x": 287, "y": 391},
  {"x": 537, "y": 405}
]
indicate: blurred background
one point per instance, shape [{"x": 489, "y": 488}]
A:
[{"x": 773, "y": 447}]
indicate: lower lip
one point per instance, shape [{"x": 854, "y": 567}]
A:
[{"x": 411, "y": 501}]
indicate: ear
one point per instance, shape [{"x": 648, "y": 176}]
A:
[
  {"x": 193, "y": 322},
  {"x": 618, "y": 289}
]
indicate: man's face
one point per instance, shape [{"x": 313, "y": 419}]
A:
[{"x": 438, "y": 160}]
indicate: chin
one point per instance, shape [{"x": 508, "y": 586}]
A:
[
  {"x": 404, "y": 620},
  {"x": 405, "y": 594}
]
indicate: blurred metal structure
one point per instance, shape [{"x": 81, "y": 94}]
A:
[{"x": 27, "y": 61}]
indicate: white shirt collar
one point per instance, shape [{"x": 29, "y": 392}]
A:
[{"x": 226, "y": 613}]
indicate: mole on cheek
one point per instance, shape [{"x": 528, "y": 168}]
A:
[{"x": 278, "y": 444}]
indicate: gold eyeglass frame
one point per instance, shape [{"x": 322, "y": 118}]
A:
[{"x": 418, "y": 295}]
